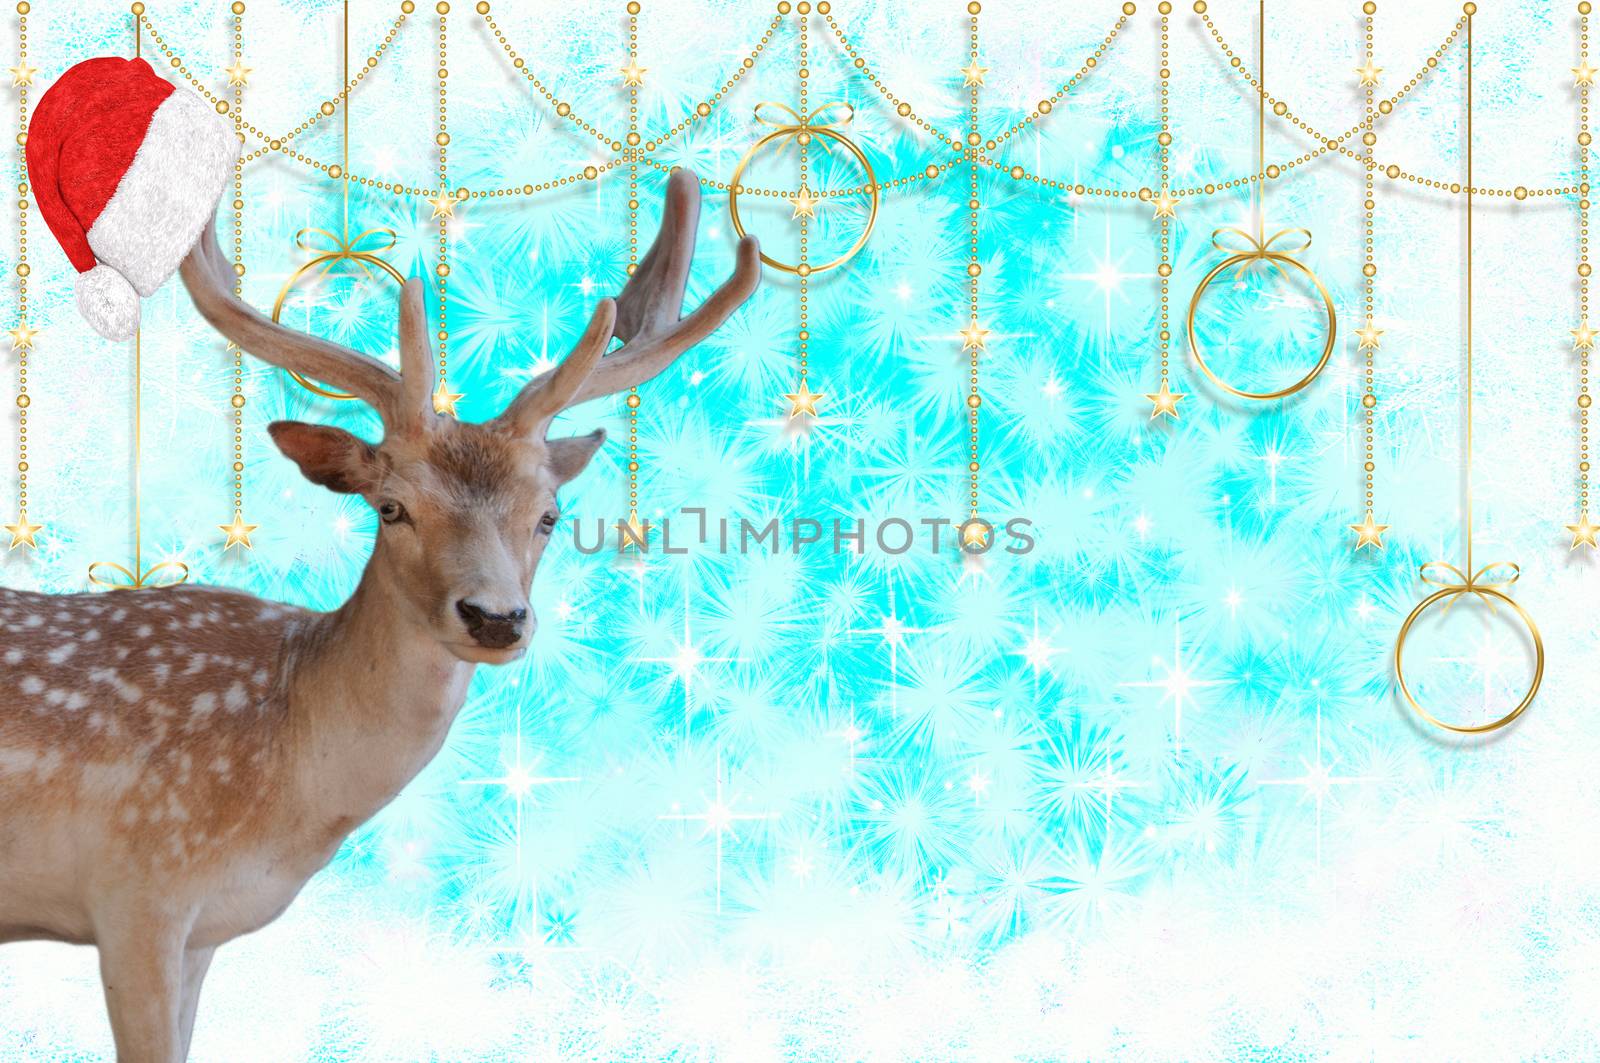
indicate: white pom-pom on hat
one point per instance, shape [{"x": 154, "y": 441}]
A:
[
  {"x": 126, "y": 169},
  {"x": 108, "y": 303}
]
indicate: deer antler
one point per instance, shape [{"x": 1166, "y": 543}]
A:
[
  {"x": 401, "y": 399},
  {"x": 647, "y": 317}
]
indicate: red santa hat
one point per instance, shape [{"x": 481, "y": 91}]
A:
[{"x": 126, "y": 170}]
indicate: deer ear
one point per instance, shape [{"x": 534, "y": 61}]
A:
[
  {"x": 330, "y": 457},
  {"x": 570, "y": 456}
]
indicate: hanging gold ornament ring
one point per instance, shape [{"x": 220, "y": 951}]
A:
[
  {"x": 792, "y": 125},
  {"x": 363, "y": 250},
  {"x": 1278, "y": 251},
  {"x": 1488, "y": 585}
]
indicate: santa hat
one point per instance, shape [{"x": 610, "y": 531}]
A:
[{"x": 126, "y": 170}]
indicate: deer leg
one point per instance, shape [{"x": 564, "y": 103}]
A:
[
  {"x": 195, "y": 964},
  {"x": 141, "y": 967}
]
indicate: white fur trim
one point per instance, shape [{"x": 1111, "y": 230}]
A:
[
  {"x": 108, "y": 302},
  {"x": 168, "y": 194}
]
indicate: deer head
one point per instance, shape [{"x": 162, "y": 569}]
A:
[{"x": 467, "y": 509}]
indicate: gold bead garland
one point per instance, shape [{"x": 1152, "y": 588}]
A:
[
  {"x": 444, "y": 400},
  {"x": 635, "y": 535},
  {"x": 22, "y": 531},
  {"x": 803, "y": 401},
  {"x": 1369, "y": 533},
  {"x": 905, "y": 109},
  {"x": 1164, "y": 401},
  {"x": 271, "y": 143},
  {"x": 974, "y": 533},
  {"x": 238, "y": 530},
  {"x": 1584, "y": 531},
  {"x": 1325, "y": 144}
]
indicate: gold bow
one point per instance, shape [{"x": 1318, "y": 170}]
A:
[
  {"x": 793, "y": 122},
  {"x": 1251, "y": 247},
  {"x": 122, "y": 578},
  {"x": 329, "y": 248},
  {"x": 1495, "y": 576}
]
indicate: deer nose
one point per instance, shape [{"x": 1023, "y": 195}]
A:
[{"x": 493, "y": 631}]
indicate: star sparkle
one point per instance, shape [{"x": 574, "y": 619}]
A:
[
  {"x": 22, "y": 74},
  {"x": 1368, "y": 336},
  {"x": 1177, "y": 685},
  {"x": 1166, "y": 204},
  {"x": 238, "y": 73},
  {"x": 443, "y": 204},
  {"x": 972, "y": 74},
  {"x": 1369, "y": 73},
  {"x": 1583, "y": 74},
  {"x": 633, "y": 74},
  {"x": 1583, "y": 337}
]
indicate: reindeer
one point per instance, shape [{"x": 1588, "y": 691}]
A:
[{"x": 175, "y": 764}]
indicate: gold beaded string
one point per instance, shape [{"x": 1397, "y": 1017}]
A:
[
  {"x": 1164, "y": 401},
  {"x": 1326, "y": 144},
  {"x": 238, "y": 530},
  {"x": 269, "y": 142},
  {"x": 803, "y": 401},
  {"x": 22, "y": 530},
  {"x": 974, "y": 533},
  {"x": 444, "y": 400},
  {"x": 634, "y": 534},
  {"x": 1584, "y": 531},
  {"x": 1369, "y": 533}
]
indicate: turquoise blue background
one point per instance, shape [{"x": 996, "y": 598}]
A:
[{"x": 1146, "y": 792}]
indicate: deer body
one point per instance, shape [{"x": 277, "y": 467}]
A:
[
  {"x": 175, "y": 764},
  {"x": 209, "y": 767}
]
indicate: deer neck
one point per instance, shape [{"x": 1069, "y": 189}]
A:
[{"x": 372, "y": 695}]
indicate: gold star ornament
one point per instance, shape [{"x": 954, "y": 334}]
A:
[
  {"x": 975, "y": 533},
  {"x": 22, "y": 336},
  {"x": 238, "y": 73},
  {"x": 1584, "y": 532},
  {"x": 1583, "y": 337},
  {"x": 1369, "y": 73},
  {"x": 444, "y": 205},
  {"x": 444, "y": 400},
  {"x": 804, "y": 203},
  {"x": 22, "y": 532},
  {"x": 1368, "y": 337},
  {"x": 1166, "y": 204},
  {"x": 632, "y": 532},
  {"x": 974, "y": 337},
  {"x": 1369, "y": 532},
  {"x": 22, "y": 74},
  {"x": 238, "y": 532},
  {"x": 633, "y": 74},
  {"x": 1166, "y": 402},
  {"x": 1584, "y": 74},
  {"x": 803, "y": 400},
  {"x": 972, "y": 74}
]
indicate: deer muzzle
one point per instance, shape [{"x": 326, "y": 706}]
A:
[{"x": 492, "y": 631}]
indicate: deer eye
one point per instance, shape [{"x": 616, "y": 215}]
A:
[
  {"x": 547, "y": 523},
  {"x": 391, "y": 511}
]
